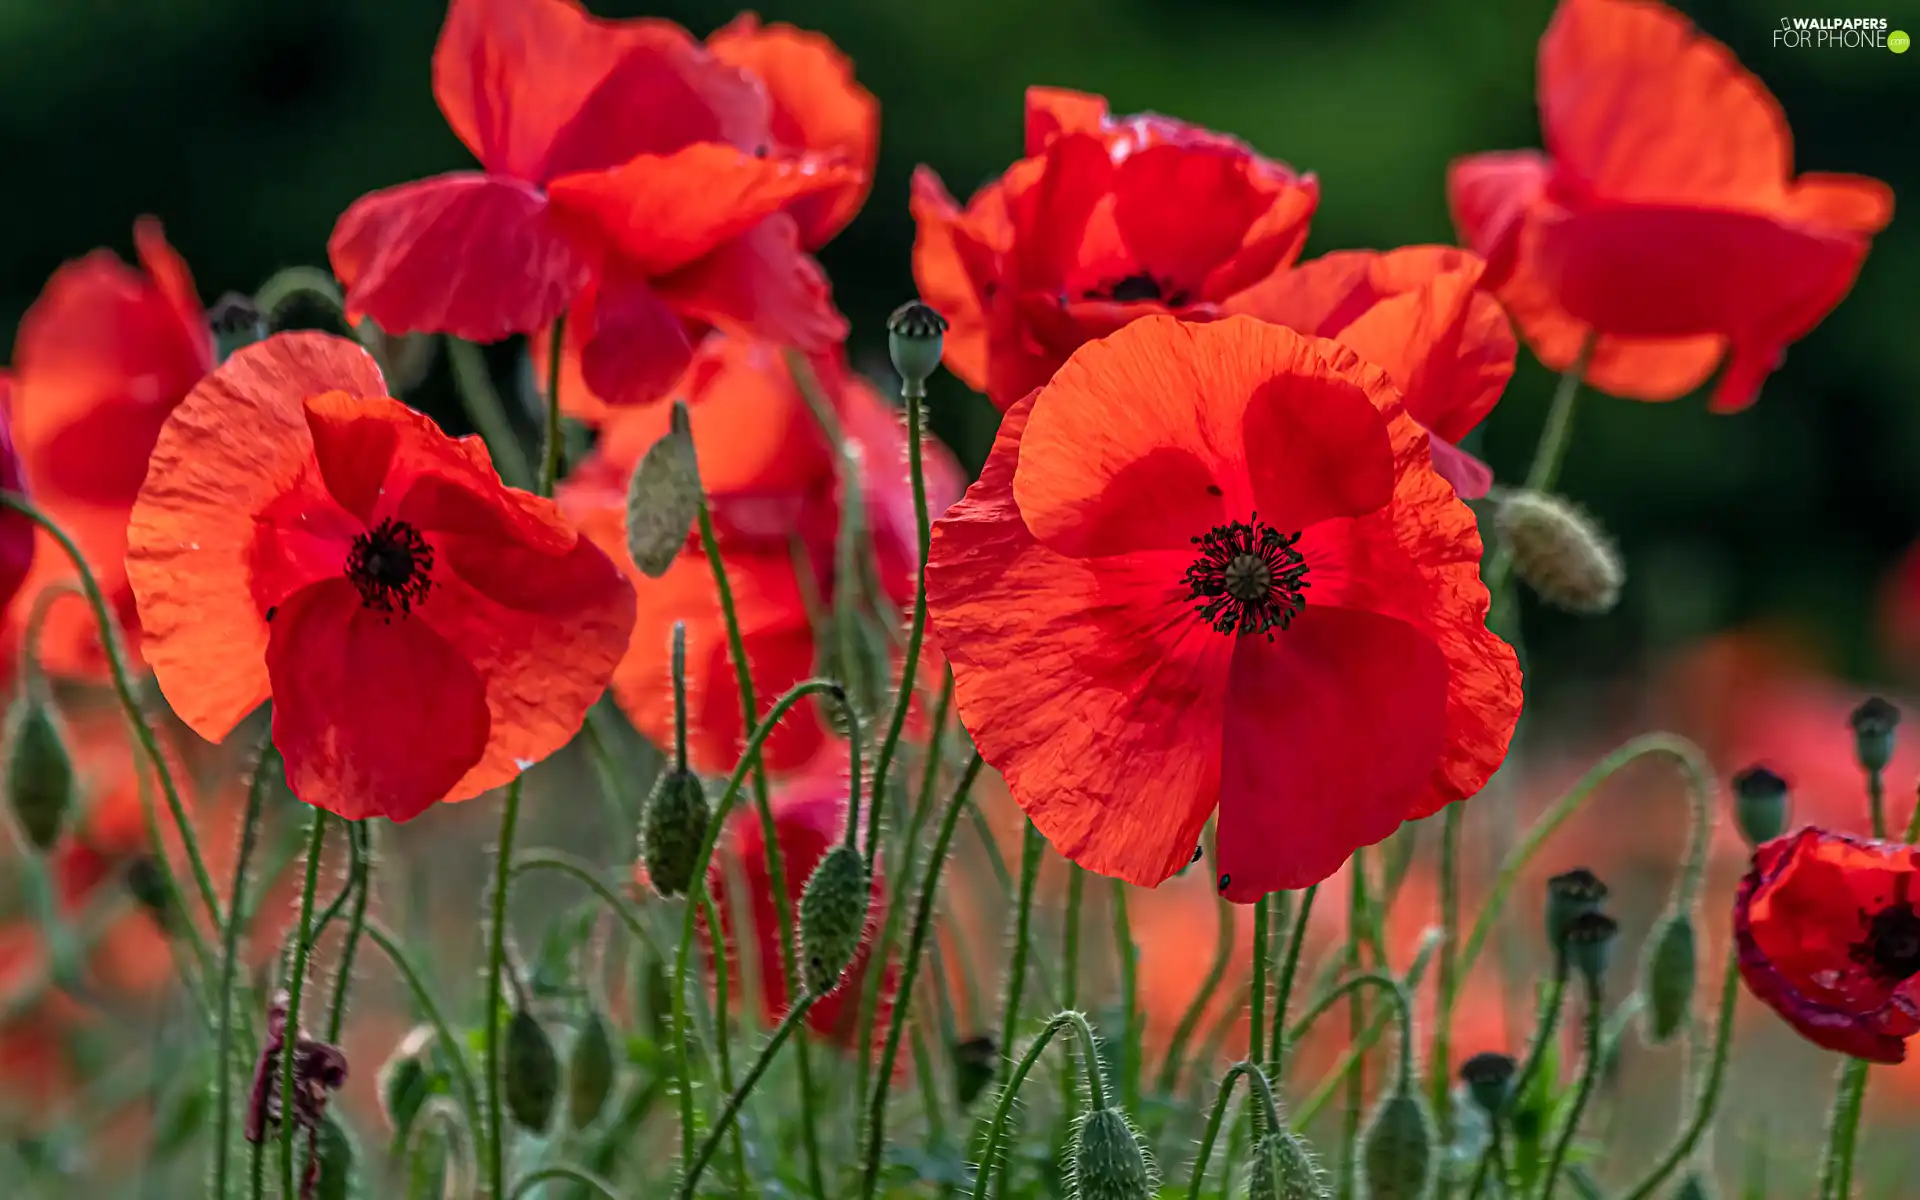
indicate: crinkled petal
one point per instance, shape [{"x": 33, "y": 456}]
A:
[
  {"x": 956, "y": 264},
  {"x": 762, "y": 285}
]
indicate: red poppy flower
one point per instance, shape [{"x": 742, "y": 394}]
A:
[
  {"x": 809, "y": 817},
  {"x": 1106, "y": 219},
  {"x": 1210, "y": 566},
  {"x": 100, "y": 360},
  {"x": 1417, "y": 312},
  {"x": 17, "y": 533},
  {"x": 630, "y": 178},
  {"x": 1829, "y": 938},
  {"x": 771, "y": 481},
  {"x": 1665, "y": 215},
  {"x": 425, "y": 632}
]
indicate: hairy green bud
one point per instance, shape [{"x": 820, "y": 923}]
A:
[
  {"x": 1109, "y": 1163},
  {"x": 1397, "y": 1154},
  {"x": 531, "y": 1073},
  {"x": 590, "y": 1070},
  {"x": 833, "y": 917},
  {"x": 40, "y": 779},
  {"x": 673, "y": 828},
  {"x": 1284, "y": 1169}
]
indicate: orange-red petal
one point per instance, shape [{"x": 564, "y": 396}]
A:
[
  {"x": 760, "y": 284},
  {"x": 955, "y": 265}
]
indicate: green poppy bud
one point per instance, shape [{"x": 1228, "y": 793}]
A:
[
  {"x": 975, "y": 1063},
  {"x": 1760, "y": 805},
  {"x": 148, "y": 887},
  {"x": 663, "y": 498},
  {"x": 1397, "y": 1154},
  {"x": 406, "y": 1081},
  {"x": 914, "y": 334},
  {"x": 1672, "y": 967},
  {"x": 673, "y": 829},
  {"x": 40, "y": 781},
  {"x": 1489, "y": 1079},
  {"x": 332, "y": 1168},
  {"x": 590, "y": 1069},
  {"x": 1568, "y": 896},
  {"x": 1284, "y": 1169},
  {"x": 1109, "y": 1163},
  {"x": 1873, "y": 725},
  {"x": 833, "y": 917},
  {"x": 1560, "y": 551},
  {"x": 1589, "y": 943},
  {"x": 531, "y": 1073}
]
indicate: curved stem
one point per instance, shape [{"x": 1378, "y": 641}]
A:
[
  {"x": 1709, "y": 1098},
  {"x": 1256, "y": 1080},
  {"x": 579, "y": 1175},
  {"x": 1030, "y": 850},
  {"x": 915, "y": 393},
  {"x": 453, "y": 1048},
  {"x": 738, "y": 1097},
  {"x": 1543, "y": 1033},
  {"x": 229, "y": 956},
  {"x": 722, "y": 1025},
  {"x": 496, "y": 1170},
  {"x": 996, "y": 1128},
  {"x": 360, "y": 841},
  {"x": 909, "y": 969},
  {"x": 1395, "y": 992},
  {"x": 481, "y": 400},
  {"x": 1589, "y": 1076},
  {"x": 284, "y": 285},
  {"x": 550, "y": 442},
  {"x": 1276, "y": 1044},
  {"x": 296, "y": 987},
  {"x": 1129, "y": 1048},
  {"x": 1223, "y": 948},
  {"x": 566, "y": 864},
  {"x": 1349, "y": 1063}
]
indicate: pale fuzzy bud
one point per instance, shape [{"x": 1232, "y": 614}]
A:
[{"x": 1560, "y": 551}]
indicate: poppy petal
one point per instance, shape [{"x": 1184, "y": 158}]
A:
[
  {"x": 1141, "y": 441},
  {"x": 1158, "y": 190},
  {"x": 1471, "y": 478},
  {"x": 1847, "y": 203},
  {"x": 1086, "y": 682},
  {"x": 1332, "y": 731},
  {"x": 476, "y": 256},
  {"x": 954, "y": 265},
  {"x": 762, "y": 285},
  {"x": 633, "y": 346},
  {"x": 375, "y": 715},
  {"x": 1054, "y": 111},
  {"x": 238, "y": 440}
]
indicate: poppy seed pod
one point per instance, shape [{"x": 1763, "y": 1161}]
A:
[
  {"x": 914, "y": 336},
  {"x": 1569, "y": 895},
  {"x": 1672, "y": 968},
  {"x": 1397, "y": 1156},
  {"x": 1489, "y": 1079},
  {"x": 1760, "y": 805},
  {"x": 1284, "y": 1169},
  {"x": 40, "y": 782},
  {"x": 1560, "y": 551},
  {"x": 673, "y": 828},
  {"x": 1873, "y": 725},
  {"x": 1589, "y": 943},
  {"x": 531, "y": 1073},
  {"x": 833, "y": 917},
  {"x": 590, "y": 1070},
  {"x": 663, "y": 497},
  {"x": 1109, "y": 1163},
  {"x": 235, "y": 321}
]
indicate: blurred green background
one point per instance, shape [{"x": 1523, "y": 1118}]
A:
[{"x": 247, "y": 125}]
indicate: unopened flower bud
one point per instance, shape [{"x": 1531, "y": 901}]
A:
[
  {"x": 590, "y": 1070},
  {"x": 40, "y": 783},
  {"x": 663, "y": 497},
  {"x": 531, "y": 1073},
  {"x": 148, "y": 887},
  {"x": 1569, "y": 895},
  {"x": 1873, "y": 725},
  {"x": 976, "y": 1061},
  {"x": 1560, "y": 551},
  {"x": 1397, "y": 1156},
  {"x": 1759, "y": 805},
  {"x": 1284, "y": 1169},
  {"x": 914, "y": 334},
  {"x": 1109, "y": 1163},
  {"x": 1589, "y": 943},
  {"x": 833, "y": 917},
  {"x": 1489, "y": 1079},
  {"x": 236, "y": 323},
  {"x": 1672, "y": 967},
  {"x": 673, "y": 829}
]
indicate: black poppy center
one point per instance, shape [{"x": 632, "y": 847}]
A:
[
  {"x": 1891, "y": 949},
  {"x": 1248, "y": 578},
  {"x": 1139, "y": 286},
  {"x": 391, "y": 565}
]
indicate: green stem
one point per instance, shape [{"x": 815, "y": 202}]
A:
[
  {"x": 579, "y": 1175},
  {"x": 875, "y": 1135},
  {"x": 452, "y": 1047},
  {"x": 566, "y": 864},
  {"x": 296, "y": 987},
  {"x": 1223, "y": 948},
  {"x": 1549, "y": 1022},
  {"x": 914, "y": 392},
  {"x": 1709, "y": 1097},
  {"x": 489, "y": 416},
  {"x": 360, "y": 842},
  {"x": 1257, "y": 1022},
  {"x": 1395, "y": 992},
  {"x": 1877, "y": 803},
  {"x": 1296, "y": 941},
  {"x": 550, "y": 442},
  {"x": 722, "y": 1024},
  {"x": 1350, "y": 1059},
  {"x": 1031, "y": 847},
  {"x": 1129, "y": 1048},
  {"x": 1447, "y": 969},
  {"x": 496, "y": 1138},
  {"x": 1548, "y": 455},
  {"x": 1070, "y": 977},
  {"x": 1843, "y": 1131},
  {"x": 1357, "y": 921},
  {"x": 1489, "y": 1164},
  {"x": 997, "y": 1127},
  {"x": 1913, "y": 823},
  {"x": 1257, "y": 1080},
  {"x": 1583, "y": 1092},
  {"x": 702, "y": 1156},
  {"x": 229, "y": 957}
]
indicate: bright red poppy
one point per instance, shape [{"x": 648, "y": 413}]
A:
[
  {"x": 1665, "y": 215},
  {"x": 425, "y": 632},
  {"x": 1419, "y": 313},
  {"x": 1209, "y": 566},
  {"x": 1106, "y": 219},
  {"x": 1829, "y": 938},
  {"x": 772, "y": 482},
  {"x": 100, "y": 360},
  {"x": 17, "y": 533},
  {"x": 631, "y": 180}
]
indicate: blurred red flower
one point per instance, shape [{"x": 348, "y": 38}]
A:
[
  {"x": 771, "y": 480},
  {"x": 631, "y": 179},
  {"x": 1106, "y": 219},
  {"x": 1829, "y": 938},
  {"x": 1254, "y": 578},
  {"x": 1418, "y": 313},
  {"x": 425, "y": 632},
  {"x": 100, "y": 360},
  {"x": 1665, "y": 215}
]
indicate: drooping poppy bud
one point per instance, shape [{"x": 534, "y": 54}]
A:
[
  {"x": 590, "y": 1070},
  {"x": 673, "y": 828},
  {"x": 1560, "y": 551},
  {"x": 531, "y": 1073},
  {"x": 1760, "y": 805},
  {"x": 1109, "y": 1163},
  {"x": 833, "y": 917},
  {"x": 1489, "y": 1079},
  {"x": 1284, "y": 1169},
  {"x": 1672, "y": 968},
  {"x": 1570, "y": 895},
  {"x": 1873, "y": 725},
  {"x": 40, "y": 781},
  {"x": 236, "y": 321},
  {"x": 914, "y": 335},
  {"x": 1397, "y": 1155},
  {"x": 663, "y": 498},
  {"x": 1589, "y": 943}
]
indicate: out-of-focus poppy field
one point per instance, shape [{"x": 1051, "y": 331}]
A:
[{"x": 1107, "y": 599}]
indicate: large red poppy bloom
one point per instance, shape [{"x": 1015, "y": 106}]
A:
[
  {"x": 1829, "y": 938},
  {"x": 1210, "y": 566},
  {"x": 1106, "y": 219},
  {"x": 771, "y": 480},
  {"x": 1419, "y": 313},
  {"x": 101, "y": 358},
  {"x": 631, "y": 178},
  {"x": 425, "y": 632},
  {"x": 1665, "y": 215}
]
